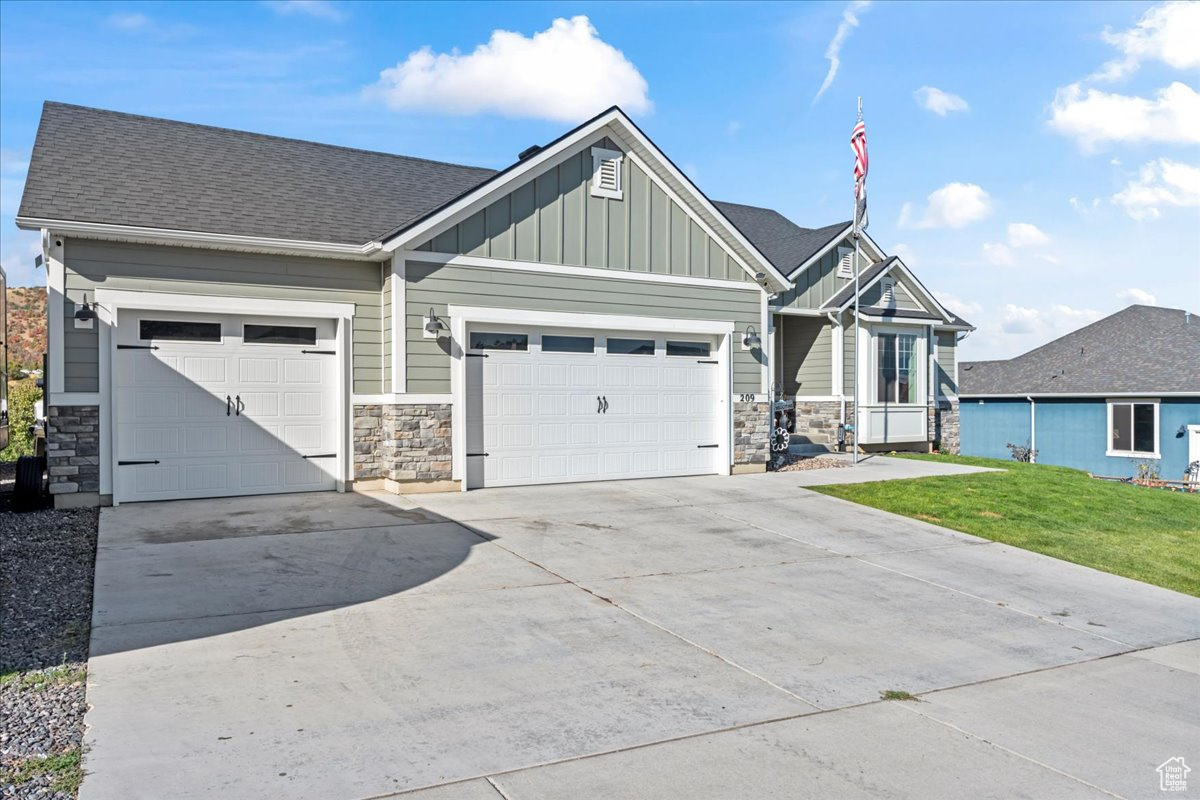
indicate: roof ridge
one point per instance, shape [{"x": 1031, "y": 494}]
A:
[{"x": 259, "y": 135}]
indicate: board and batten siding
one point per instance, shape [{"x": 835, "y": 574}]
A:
[
  {"x": 438, "y": 286},
  {"x": 903, "y": 294},
  {"x": 804, "y": 355},
  {"x": 385, "y": 327},
  {"x": 946, "y": 347},
  {"x": 554, "y": 219},
  {"x": 816, "y": 284},
  {"x": 181, "y": 270}
]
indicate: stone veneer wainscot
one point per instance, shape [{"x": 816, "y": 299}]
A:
[
  {"x": 402, "y": 443},
  {"x": 73, "y": 451}
]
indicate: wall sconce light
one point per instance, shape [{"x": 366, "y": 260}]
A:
[
  {"x": 750, "y": 339},
  {"x": 85, "y": 314},
  {"x": 433, "y": 325}
]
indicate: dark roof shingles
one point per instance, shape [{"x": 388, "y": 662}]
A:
[
  {"x": 1142, "y": 349},
  {"x": 785, "y": 243},
  {"x": 91, "y": 165}
]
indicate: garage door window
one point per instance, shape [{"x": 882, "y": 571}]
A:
[
  {"x": 279, "y": 334},
  {"x": 631, "y": 347},
  {"x": 693, "y": 349},
  {"x": 568, "y": 344},
  {"x": 178, "y": 331},
  {"x": 499, "y": 341}
]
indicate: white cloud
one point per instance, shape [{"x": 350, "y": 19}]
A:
[
  {"x": 564, "y": 73},
  {"x": 955, "y": 205},
  {"x": 1160, "y": 183},
  {"x": 1024, "y": 234},
  {"x": 967, "y": 309},
  {"x": 1046, "y": 323},
  {"x": 834, "y": 51},
  {"x": 18, "y": 251},
  {"x": 939, "y": 102},
  {"x": 1093, "y": 117},
  {"x": 1084, "y": 208},
  {"x": 130, "y": 21},
  {"x": 905, "y": 254},
  {"x": 1139, "y": 296},
  {"x": 318, "y": 9},
  {"x": 998, "y": 254},
  {"x": 1049, "y": 259},
  {"x": 1166, "y": 33}
]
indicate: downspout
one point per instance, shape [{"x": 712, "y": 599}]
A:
[{"x": 1032, "y": 430}]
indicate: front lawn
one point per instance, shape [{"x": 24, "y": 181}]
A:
[{"x": 1150, "y": 535}]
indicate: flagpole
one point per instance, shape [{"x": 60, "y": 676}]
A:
[{"x": 857, "y": 269}]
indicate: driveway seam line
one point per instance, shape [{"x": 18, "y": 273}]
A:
[
  {"x": 1010, "y": 751},
  {"x": 277, "y": 533},
  {"x": 654, "y": 624},
  {"x": 496, "y": 787}
]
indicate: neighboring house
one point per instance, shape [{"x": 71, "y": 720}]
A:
[
  {"x": 1120, "y": 393},
  {"x": 233, "y": 313}
]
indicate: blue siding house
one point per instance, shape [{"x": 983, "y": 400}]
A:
[{"x": 1120, "y": 394}]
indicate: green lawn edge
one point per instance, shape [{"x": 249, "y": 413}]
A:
[{"x": 1150, "y": 535}]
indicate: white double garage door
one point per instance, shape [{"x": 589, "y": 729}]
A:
[
  {"x": 212, "y": 405},
  {"x": 550, "y": 405}
]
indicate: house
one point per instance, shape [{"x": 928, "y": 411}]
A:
[
  {"x": 1116, "y": 395},
  {"x": 232, "y": 313}
]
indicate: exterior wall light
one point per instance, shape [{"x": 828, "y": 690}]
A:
[
  {"x": 750, "y": 339},
  {"x": 433, "y": 326}
]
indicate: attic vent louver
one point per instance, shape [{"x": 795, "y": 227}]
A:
[
  {"x": 606, "y": 173},
  {"x": 845, "y": 268},
  {"x": 529, "y": 151}
]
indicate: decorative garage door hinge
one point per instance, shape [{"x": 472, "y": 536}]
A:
[
  {"x": 130, "y": 463},
  {"x": 137, "y": 347},
  {"x": 476, "y": 455},
  {"x": 702, "y": 361},
  {"x": 321, "y": 455},
  {"x": 706, "y": 446},
  {"x": 321, "y": 352},
  {"x": 476, "y": 355}
]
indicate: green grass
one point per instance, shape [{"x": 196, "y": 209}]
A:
[
  {"x": 66, "y": 769},
  {"x": 1150, "y": 535},
  {"x": 40, "y": 679},
  {"x": 896, "y": 694}
]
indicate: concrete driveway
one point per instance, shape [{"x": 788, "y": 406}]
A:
[{"x": 692, "y": 638}]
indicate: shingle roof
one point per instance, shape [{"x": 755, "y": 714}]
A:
[
  {"x": 1143, "y": 349},
  {"x": 785, "y": 243},
  {"x": 91, "y": 165}
]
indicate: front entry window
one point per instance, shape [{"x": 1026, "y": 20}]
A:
[{"x": 896, "y": 370}]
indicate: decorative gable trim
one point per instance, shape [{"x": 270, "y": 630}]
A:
[
  {"x": 930, "y": 302},
  {"x": 873, "y": 250}
]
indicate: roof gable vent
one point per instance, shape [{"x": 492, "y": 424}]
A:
[
  {"x": 606, "y": 173},
  {"x": 845, "y": 265}
]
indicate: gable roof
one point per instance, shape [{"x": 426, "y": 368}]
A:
[
  {"x": 777, "y": 237},
  {"x": 91, "y": 165},
  {"x": 843, "y": 296},
  {"x": 1141, "y": 350}
]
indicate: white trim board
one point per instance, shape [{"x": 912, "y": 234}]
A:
[
  {"x": 221, "y": 304},
  {"x": 400, "y": 399},
  {"x": 1083, "y": 395},
  {"x": 559, "y": 319},
  {"x": 53, "y": 251},
  {"x": 482, "y": 262},
  {"x": 1136, "y": 454},
  {"x": 370, "y": 251},
  {"x": 832, "y": 243}
]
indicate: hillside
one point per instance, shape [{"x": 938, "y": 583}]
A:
[{"x": 26, "y": 327}]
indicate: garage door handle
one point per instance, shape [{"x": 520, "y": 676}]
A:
[
  {"x": 228, "y": 401},
  {"x": 599, "y": 404},
  {"x": 605, "y": 404},
  {"x": 237, "y": 405}
]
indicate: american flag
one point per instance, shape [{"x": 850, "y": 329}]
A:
[{"x": 858, "y": 144}]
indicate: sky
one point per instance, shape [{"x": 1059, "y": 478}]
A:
[{"x": 1037, "y": 165}]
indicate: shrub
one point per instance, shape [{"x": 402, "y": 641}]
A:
[
  {"x": 22, "y": 395},
  {"x": 1021, "y": 452}
]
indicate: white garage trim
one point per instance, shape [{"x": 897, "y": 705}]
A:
[
  {"x": 461, "y": 316},
  {"x": 109, "y": 301}
]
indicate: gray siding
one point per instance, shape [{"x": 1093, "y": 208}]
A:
[
  {"x": 114, "y": 265},
  {"x": 818, "y": 283},
  {"x": 946, "y": 353},
  {"x": 904, "y": 295},
  {"x": 849, "y": 357},
  {"x": 804, "y": 355},
  {"x": 438, "y": 286},
  {"x": 554, "y": 219}
]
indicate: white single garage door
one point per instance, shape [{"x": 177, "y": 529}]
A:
[
  {"x": 554, "y": 406},
  {"x": 215, "y": 406}
]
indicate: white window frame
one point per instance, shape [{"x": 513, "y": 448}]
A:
[
  {"x": 600, "y": 156},
  {"x": 1132, "y": 401},
  {"x": 920, "y": 357}
]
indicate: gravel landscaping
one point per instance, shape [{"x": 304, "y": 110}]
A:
[
  {"x": 795, "y": 463},
  {"x": 47, "y": 559}
]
